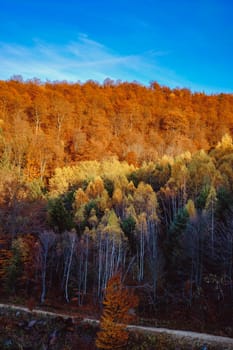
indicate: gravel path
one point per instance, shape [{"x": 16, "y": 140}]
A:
[
  {"x": 190, "y": 336},
  {"x": 202, "y": 338}
]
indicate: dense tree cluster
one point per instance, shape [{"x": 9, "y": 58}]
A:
[
  {"x": 49, "y": 125},
  {"x": 97, "y": 179}
]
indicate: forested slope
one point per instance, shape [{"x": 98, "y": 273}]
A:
[
  {"x": 45, "y": 125},
  {"x": 118, "y": 177}
]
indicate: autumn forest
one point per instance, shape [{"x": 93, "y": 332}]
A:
[{"x": 98, "y": 179}]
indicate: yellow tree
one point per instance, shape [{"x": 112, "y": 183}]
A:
[
  {"x": 95, "y": 188},
  {"x": 111, "y": 247},
  {"x": 118, "y": 311}
]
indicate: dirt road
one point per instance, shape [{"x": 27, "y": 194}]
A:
[{"x": 201, "y": 338}]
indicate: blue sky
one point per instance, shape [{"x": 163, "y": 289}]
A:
[{"x": 182, "y": 43}]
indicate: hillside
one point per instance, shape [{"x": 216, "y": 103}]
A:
[
  {"x": 96, "y": 179},
  {"x": 67, "y": 123}
]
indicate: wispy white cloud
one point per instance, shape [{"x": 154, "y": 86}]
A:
[{"x": 81, "y": 60}]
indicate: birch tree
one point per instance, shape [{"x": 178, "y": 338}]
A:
[
  {"x": 82, "y": 264},
  {"x": 47, "y": 241},
  {"x": 111, "y": 252},
  {"x": 69, "y": 249},
  {"x": 210, "y": 210}
]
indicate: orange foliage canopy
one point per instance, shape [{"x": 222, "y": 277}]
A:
[{"x": 49, "y": 125}]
